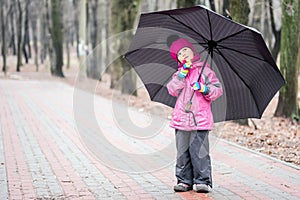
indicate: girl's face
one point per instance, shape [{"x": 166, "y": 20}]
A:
[{"x": 186, "y": 54}]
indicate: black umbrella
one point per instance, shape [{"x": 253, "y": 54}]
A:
[{"x": 238, "y": 55}]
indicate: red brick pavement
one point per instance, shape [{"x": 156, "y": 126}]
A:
[
  {"x": 71, "y": 183},
  {"x": 19, "y": 184},
  {"x": 45, "y": 108}
]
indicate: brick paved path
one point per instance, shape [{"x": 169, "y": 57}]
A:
[{"x": 43, "y": 154}]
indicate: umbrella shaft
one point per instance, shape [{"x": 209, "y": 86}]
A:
[
  {"x": 204, "y": 64},
  {"x": 189, "y": 104}
]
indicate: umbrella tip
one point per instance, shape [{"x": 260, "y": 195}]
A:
[{"x": 227, "y": 14}]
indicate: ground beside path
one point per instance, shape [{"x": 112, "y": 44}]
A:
[{"x": 50, "y": 149}]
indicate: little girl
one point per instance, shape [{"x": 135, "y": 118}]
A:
[{"x": 192, "y": 118}]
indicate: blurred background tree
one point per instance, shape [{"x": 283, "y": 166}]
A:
[
  {"x": 124, "y": 13},
  {"x": 289, "y": 53},
  {"x": 57, "y": 39}
]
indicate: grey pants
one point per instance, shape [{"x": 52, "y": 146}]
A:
[{"x": 193, "y": 164}]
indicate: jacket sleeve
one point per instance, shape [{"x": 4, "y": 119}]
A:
[
  {"x": 175, "y": 85},
  {"x": 214, "y": 85}
]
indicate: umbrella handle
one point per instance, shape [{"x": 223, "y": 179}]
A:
[
  {"x": 188, "y": 110},
  {"x": 188, "y": 106}
]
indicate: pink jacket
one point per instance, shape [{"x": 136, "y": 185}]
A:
[{"x": 201, "y": 104}]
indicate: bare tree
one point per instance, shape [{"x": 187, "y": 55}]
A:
[
  {"x": 11, "y": 18},
  {"x": 76, "y": 24},
  {"x": 19, "y": 34},
  {"x": 57, "y": 38},
  {"x": 95, "y": 33},
  {"x": 225, "y": 8},
  {"x": 47, "y": 35},
  {"x": 98, "y": 28},
  {"x": 3, "y": 33},
  {"x": 34, "y": 16},
  {"x": 123, "y": 18},
  {"x": 82, "y": 47},
  {"x": 288, "y": 102},
  {"x": 26, "y": 42},
  {"x": 68, "y": 23},
  {"x": 185, "y": 3},
  {"x": 44, "y": 31},
  {"x": 277, "y": 33},
  {"x": 212, "y": 5},
  {"x": 239, "y": 10}
]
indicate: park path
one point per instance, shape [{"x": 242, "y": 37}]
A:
[{"x": 50, "y": 148}]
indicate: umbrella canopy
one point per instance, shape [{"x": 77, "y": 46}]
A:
[{"x": 238, "y": 55}]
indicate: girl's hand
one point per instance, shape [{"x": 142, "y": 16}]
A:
[
  {"x": 200, "y": 87},
  {"x": 187, "y": 64},
  {"x": 183, "y": 72}
]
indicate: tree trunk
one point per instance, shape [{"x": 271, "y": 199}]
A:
[
  {"x": 263, "y": 18},
  {"x": 3, "y": 38},
  {"x": 115, "y": 69},
  {"x": 100, "y": 49},
  {"x": 44, "y": 31},
  {"x": 35, "y": 42},
  {"x": 57, "y": 38},
  {"x": 277, "y": 33},
  {"x": 185, "y": 3},
  {"x": 19, "y": 35},
  {"x": 48, "y": 35},
  {"x": 92, "y": 69},
  {"x": 76, "y": 24},
  {"x": 12, "y": 43},
  {"x": 252, "y": 12},
  {"x": 212, "y": 5},
  {"x": 82, "y": 47},
  {"x": 36, "y": 11},
  {"x": 239, "y": 11},
  {"x": 26, "y": 33},
  {"x": 68, "y": 52},
  {"x": 225, "y": 9},
  {"x": 107, "y": 31},
  {"x": 288, "y": 102},
  {"x": 87, "y": 19},
  {"x": 125, "y": 13},
  {"x": 26, "y": 47}
]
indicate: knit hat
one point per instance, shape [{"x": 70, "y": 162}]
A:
[{"x": 179, "y": 44}]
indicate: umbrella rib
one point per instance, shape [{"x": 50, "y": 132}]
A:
[
  {"x": 229, "y": 36},
  {"x": 238, "y": 76},
  {"x": 211, "y": 36},
  {"x": 246, "y": 54},
  {"x": 221, "y": 54},
  {"x": 186, "y": 26}
]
